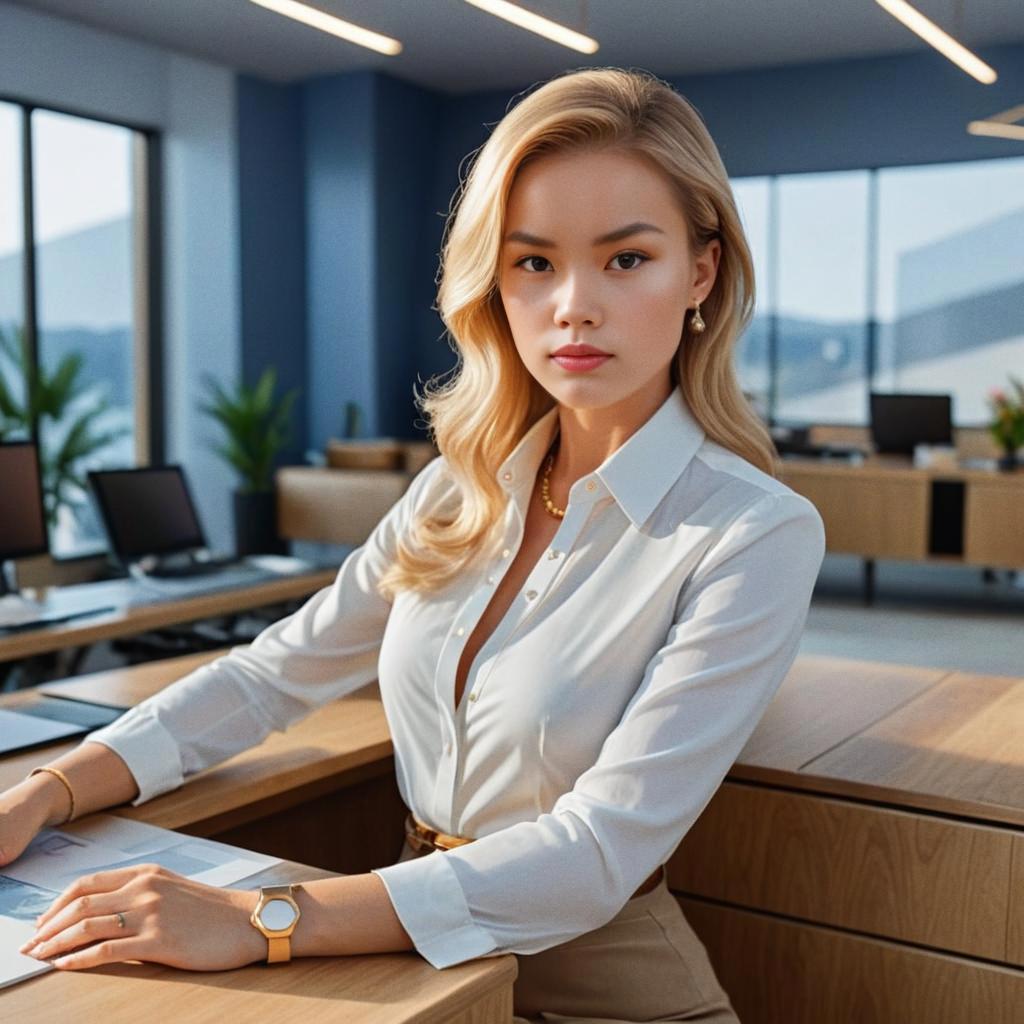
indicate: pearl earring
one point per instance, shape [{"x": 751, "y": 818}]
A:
[{"x": 697, "y": 324}]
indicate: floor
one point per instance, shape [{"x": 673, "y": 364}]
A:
[{"x": 936, "y": 616}]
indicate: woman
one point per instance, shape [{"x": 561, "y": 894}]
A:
[{"x": 578, "y": 612}]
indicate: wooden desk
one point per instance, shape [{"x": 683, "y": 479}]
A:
[
  {"x": 383, "y": 988},
  {"x": 885, "y": 508},
  {"x": 337, "y": 763},
  {"x": 863, "y": 860},
  {"x": 106, "y": 626}
]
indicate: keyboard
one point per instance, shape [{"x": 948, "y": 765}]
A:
[
  {"x": 191, "y": 569},
  {"x": 17, "y": 613}
]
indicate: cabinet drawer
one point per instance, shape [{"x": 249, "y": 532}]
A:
[
  {"x": 890, "y": 873},
  {"x": 783, "y": 972}
]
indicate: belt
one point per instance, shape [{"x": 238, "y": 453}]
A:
[{"x": 424, "y": 839}]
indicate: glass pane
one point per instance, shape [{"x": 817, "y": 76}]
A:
[
  {"x": 822, "y": 297},
  {"x": 12, "y": 268},
  {"x": 84, "y": 270},
  {"x": 951, "y": 281},
  {"x": 752, "y": 366}
]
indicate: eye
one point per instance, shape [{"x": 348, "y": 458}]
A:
[
  {"x": 631, "y": 256},
  {"x": 526, "y": 259}
]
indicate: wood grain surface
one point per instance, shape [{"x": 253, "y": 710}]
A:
[
  {"x": 785, "y": 972},
  {"x": 889, "y": 873}
]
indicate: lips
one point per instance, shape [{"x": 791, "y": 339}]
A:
[{"x": 579, "y": 350}]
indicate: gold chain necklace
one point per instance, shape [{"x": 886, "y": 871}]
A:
[{"x": 545, "y": 488}]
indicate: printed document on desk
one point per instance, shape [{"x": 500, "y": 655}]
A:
[{"x": 56, "y": 857}]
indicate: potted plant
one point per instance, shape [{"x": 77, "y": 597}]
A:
[
  {"x": 1007, "y": 426},
  {"x": 68, "y": 423},
  {"x": 256, "y": 426}
]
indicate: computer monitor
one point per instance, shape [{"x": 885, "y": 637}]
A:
[
  {"x": 22, "y": 514},
  {"x": 147, "y": 511},
  {"x": 901, "y": 421}
]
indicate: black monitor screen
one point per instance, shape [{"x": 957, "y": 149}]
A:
[
  {"x": 899, "y": 422},
  {"x": 22, "y": 519},
  {"x": 146, "y": 511}
]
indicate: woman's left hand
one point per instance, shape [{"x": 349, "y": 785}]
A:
[{"x": 146, "y": 912}]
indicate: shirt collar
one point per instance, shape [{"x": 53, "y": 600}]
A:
[{"x": 638, "y": 474}]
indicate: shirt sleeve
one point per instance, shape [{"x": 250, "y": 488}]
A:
[
  {"x": 537, "y": 884},
  {"x": 325, "y": 650}
]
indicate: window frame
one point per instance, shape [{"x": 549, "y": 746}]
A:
[{"x": 147, "y": 279}]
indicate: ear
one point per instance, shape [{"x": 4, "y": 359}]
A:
[{"x": 706, "y": 269}]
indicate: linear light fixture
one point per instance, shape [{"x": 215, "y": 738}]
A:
[
  {"x": 934, "y": 36},
  {"x": 335, "y": 26},
  {"x": 1000, "y": 125},
  {"x": 535, "y": 23}
]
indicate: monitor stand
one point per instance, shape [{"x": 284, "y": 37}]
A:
[
  {"x": 14, "y": 607},
  {"x": 150, "y": 566}
]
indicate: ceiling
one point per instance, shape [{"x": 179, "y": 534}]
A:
[{"x": 452, "y": 47}]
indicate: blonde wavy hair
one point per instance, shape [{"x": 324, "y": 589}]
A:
[{"x": 478, "y": 415}]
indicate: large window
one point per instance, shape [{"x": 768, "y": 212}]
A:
[
  {"x": 73, "y": 304},
  {"x": 951, "y": 280},
  {"x": 899, "y": 279}
]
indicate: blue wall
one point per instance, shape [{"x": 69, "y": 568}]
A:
[
  {"x": 341, "y": 281},
  {"x": 272, "y": 238}
]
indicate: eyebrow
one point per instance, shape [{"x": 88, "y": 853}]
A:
[{"x": 613, "y": 236}]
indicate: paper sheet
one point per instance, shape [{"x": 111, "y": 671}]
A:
[{"x": 56, "y": 857}]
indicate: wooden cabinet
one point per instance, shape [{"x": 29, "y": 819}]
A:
[
  {"x": 994, "y": 522},
  {"x": 864, "y": 858},
  {"x": 893, "y": 874},
  {"x": 882, "y": 517},
  {"x": 779, "y": 971}
]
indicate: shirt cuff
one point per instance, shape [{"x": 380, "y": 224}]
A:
[
  {"x": 429, "y": 902},
  {"x": 147, "y": 748}
]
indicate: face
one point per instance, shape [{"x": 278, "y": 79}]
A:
[{"x": 576, "y": 269}]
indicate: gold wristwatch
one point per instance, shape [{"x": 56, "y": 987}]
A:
[{"x": 275, "y": 917}]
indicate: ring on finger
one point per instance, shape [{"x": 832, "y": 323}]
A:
[{"x": 120, "y": 919}]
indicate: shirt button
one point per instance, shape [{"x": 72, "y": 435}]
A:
[
  {"x": 591, "y": 486},
  {"x": 506, "y": 476},
  {"x": 554, "y": 554},
  {"x": 505, "y": 553},
  {"x": 531, "y": 594},
  {"x": 490, "y": 579},
  {"x": 473, "y": 695},
  {"x": 459, "y": 631}
]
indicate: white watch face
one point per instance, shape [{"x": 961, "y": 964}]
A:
[{"x": 277, "y": 915}]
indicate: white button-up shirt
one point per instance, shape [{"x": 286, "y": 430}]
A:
[{"x": 597, "y": 720}]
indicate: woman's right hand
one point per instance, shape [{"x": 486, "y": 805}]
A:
[{"x": 25, "y": 809}]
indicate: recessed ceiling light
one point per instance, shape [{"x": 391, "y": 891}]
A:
[
  {"x": 535, "y": 23},
  {"x": 335, "y": 26},
  {"x": 934, "y": 36}
]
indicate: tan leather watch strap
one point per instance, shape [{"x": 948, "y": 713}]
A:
[{"x": 280, "y": 949}]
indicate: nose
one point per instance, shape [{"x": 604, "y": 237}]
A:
[{"x": 577, "y": 301}]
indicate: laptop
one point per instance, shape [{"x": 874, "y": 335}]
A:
[{"x": 50, "y": 719}]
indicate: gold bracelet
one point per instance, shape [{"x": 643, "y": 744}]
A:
[{"x": 57, "y": 773}]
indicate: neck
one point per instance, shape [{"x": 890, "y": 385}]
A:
[{"x": 587, "y": 437}]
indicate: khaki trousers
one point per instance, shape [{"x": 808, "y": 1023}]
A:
[{"x": 645, "y": 964}]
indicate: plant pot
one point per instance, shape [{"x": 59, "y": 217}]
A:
[
  {"x": 256, "y": 524},
  {"x": 1009, "y": 461}
]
